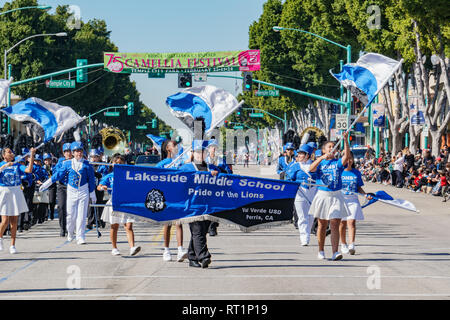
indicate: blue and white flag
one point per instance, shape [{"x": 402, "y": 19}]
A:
[
  {"x": 4, "y": 85},
  {"x": 367, "y": 76},
  {"x": 168, "y": 195},
  {"x": 52, "y": 117},
  {"x": 384, "y": 197},
  {"x": 211, "y": 103},
  {"x": 157, "y": 141}
]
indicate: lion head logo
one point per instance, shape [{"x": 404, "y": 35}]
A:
[{"x": 155, "y": 201}]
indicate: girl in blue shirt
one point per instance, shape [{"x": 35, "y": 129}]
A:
[
  {"x": 329, "y": 206},
  {"x": 351, "y": 183},
  {"x": 12, "y": 200}
]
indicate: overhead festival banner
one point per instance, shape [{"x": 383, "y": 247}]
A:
[
  {"x": 248, "y": 60},
  {"x": 167, "y": 195}
]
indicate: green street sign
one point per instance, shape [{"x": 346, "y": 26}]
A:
[
  {"x": 157, "y": 75},
  {"x": 112, "y": 114},
  {"x": 238, "y": 127},
  {"x": 257, "y": 115},
  {"x": 267, "y": 93},
  {"x": 61, "y": 84},
  {"x": 144, "y": 127}
]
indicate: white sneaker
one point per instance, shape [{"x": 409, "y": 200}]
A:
[
  {"x": 12, "y": 250},
  {"x": 115, "y": 252},
  {"x": 182, "y": 254},
  {"x": 351, "y": 249},
  {"x": 344, "y": 248},
  {"x": 81, "y": 241},
  {"x": 321, "y": 255},
  {"x": 167, "y": 256},
  {"x": 69, "y": 238},
  {"x": 134, "y": 251},
  {"x": 1, "y": 244},
  {"x": 337, "y": 256}
]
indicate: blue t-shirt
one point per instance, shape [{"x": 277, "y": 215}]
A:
[
  {"x": 12, "y": 176},
  {"x": 351, "y": 181},
  {"x": 329, "y": 172},
  {"x": 108, "y": 181}
]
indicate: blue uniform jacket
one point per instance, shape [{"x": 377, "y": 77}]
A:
[{"x": 76, "y": 179}]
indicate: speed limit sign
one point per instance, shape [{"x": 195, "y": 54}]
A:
[{"x": 341, "y": 121}]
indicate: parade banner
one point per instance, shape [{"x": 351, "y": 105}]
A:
[
  {"x": 168, "y": 195},
  {"x": 248, "y": 60},
  {"x": 378, "y": 114}
]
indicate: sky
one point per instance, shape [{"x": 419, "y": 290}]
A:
[{"x": 142, "y": 26}]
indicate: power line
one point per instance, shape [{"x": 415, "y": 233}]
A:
[{"x": 75, "y": 91}]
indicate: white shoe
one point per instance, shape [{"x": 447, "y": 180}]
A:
[
  {"x": 12, "y": 250},
  {"x": 321, "y": 255},
  {"x": 337, "y": 256},
  {"x": 81, "y": 241},
  {"x": 344, "y": 248},
  {"x": 182, "y": 254},
  {"x": 1, "y": 244},
  {"x": 351, "y": 249},
  {"x": 115, "y": 252},
  {"x": 69, "y": 238},
  {"x": 167, "y": 256},
  {"x": 134, "y": 251}
]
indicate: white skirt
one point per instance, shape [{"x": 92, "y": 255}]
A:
[
  {"x": 114, "y": 217},
  {"x": 12, "y": 201},
  {"x": 354, "y": 206},
  {"x": 329, "y": 205}
]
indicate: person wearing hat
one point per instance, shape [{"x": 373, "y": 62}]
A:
[
  {"x": 285, "y": 161},
  {"x": 169, "y": 152},
  {"x": 100, "y": 171},
  {"x": 49, "y": 167},
  {"x": 299, "y": 172},
  {"x": 13, "y": 201},
  {"x": 40, "y": 200},
  {"x": 61, "y": 190},
  {"x": 198, "y": 253},
  {"x": 80, "y": 188},
  {"x": 29, "y": 187}
]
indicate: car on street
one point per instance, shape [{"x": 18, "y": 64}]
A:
[{"x": 147, "y": 161}]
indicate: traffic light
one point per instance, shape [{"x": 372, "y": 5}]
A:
[
  {"x": 239, "y": 112},
  {"x": 130, "y": 108},
  {"x": 248, "y": 81},
  {"x": 82, "y": 76},
  {"x": 226, "y": 124},
  {"x": 154, "y": 123},
  {"x": 184, "y": 80},
  {"x": 4, "y": 123}
]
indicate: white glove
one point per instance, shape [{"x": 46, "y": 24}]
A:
[
  {"x": 93, "y": 197},
  {"x": 45, "y": 185}
]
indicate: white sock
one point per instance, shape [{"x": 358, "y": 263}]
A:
[{"x": 166, "y": 249}]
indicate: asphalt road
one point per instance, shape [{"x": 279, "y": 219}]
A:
[{"x": 400, "y": 255}]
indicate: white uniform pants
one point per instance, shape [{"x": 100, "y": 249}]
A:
[
  {"x": 305, "y": 220},
  {"x": 77, "y": 209}
]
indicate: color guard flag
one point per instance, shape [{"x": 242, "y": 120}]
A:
[
  {"x": 367, "y": 76},
  {"x": 157, "y": 141},
  {"x": 52, "y": 117},
  {"x": 4, "y": 85},
  {"x": 211, "y": 103},
  {"x": 386, "y": 198}
]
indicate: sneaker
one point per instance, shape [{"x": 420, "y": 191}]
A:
[
  {"x": 337, "y": 256},
  {"x": 1, "y": 244},
  {"x": 351, "y": 249},
  {"x": 321, "y": 255},
  {"x": 69, "y": 238},
  {"x": 134, "y": 251},
  {"x": 167, "y": 256},
  {"x": 182, "y": 254},
  {"x": 115, "y": 252},
  {"x": 344, "y": 248},
  {"x": 12, "y": 250},
  {"x": 81, "y": 241}
]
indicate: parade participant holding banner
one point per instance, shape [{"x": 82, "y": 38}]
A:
[
  {"x": 99, "y": 171},
  {"x": 116, "y": 218},
  {"x": 169, "y": 152},
  {"x": 299, "y": 172},
  {"x": 285, "y": 161},
  {"x": 12, "y": 200},
  {"x": 351, "y": 183},
  {"x": 329, "y": 205},
  {"x": 81, "y": 188},
  {"x": 198, "y": 253}
]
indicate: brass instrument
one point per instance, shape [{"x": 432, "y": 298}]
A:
[
  {"x": 114, "y": 141},
  {"x": 307, "y": 133}
]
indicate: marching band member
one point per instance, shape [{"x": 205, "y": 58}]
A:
[
  {"x": 61, "y": 190},
  {"x": 81, "y": 188},
  {"x": 285, "y": 161},
  {"x": 198, "y": 253},
  {"x": 169, "y": 152},
  {"x": 329, "y": 205},
  {"x": 115, "y": 218},
  {"x": 351, "y": 183},
  {"x": 49, "y": 167},
  {"x": 28, "y": 191},
  {"x": 100, "y": 171},
  {"x": 12, "y": 200},
  {"x": 299, "y": 172},
  {"x": 40, "y": 198}
]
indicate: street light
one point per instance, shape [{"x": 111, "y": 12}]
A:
[{"x": 24, "y": 8}]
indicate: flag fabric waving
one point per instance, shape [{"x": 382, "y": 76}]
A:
[
  {"x": 367, "y": 76},
  {"x": 157, "y": 141},
  {"x": 211, "y": 103},
  {"x": 52, "y": 117},
  {"x": 4, "y": 85},
  {"x": 384, "y": 197}
]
